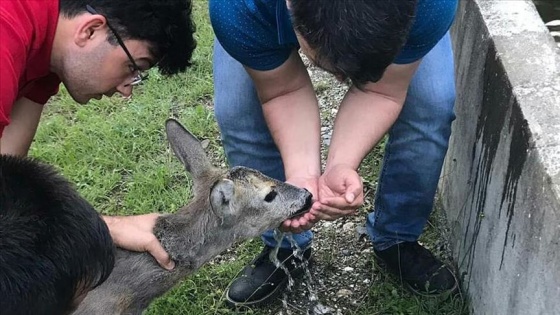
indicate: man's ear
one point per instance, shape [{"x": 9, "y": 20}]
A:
[{"x": 89, "y": 28}]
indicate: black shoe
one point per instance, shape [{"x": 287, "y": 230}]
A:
[
  {"x": 417, "y": 267},
  {"x": 261, "y": 282}
]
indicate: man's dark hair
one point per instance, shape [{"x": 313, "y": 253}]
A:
[
  {"x": 53, "y": 245},
  {"x": 166, "y": 24},
  {"x": 355, "y": 39}
]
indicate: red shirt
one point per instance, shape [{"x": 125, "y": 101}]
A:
[{"x": 27, "y": 29}]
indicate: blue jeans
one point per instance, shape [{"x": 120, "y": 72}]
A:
[{"x": 414, "y": 153}]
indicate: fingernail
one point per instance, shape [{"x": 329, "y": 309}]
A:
[
  {"x": 171, "y": 265},
  {"x": 350, "y": 197}
]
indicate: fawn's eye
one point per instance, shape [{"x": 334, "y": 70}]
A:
[{"x": 270, "y": 196}]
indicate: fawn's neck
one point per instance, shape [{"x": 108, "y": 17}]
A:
[{"x": 194, "y": 236}]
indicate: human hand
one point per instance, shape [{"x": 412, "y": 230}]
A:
[
  {"x": 307, "y": 220},
  {"x": 135, "y": 233},
  {"x": 340, "y": 193}
]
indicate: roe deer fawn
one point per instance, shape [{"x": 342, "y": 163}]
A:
[{"x": 228, "y": 206}]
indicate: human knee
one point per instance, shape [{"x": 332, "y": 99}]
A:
[
  {"x": 445, "y": 112},
  {"x": 435, "y": 111}
]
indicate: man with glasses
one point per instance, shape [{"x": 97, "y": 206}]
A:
[
  {"x": 138, "y": 74},
  {"x": 96, "y": 48}
]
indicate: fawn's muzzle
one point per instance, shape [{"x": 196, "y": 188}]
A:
[{"x": 306, "y": 207}]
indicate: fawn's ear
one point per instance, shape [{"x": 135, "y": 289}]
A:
[
  {"x": 187, "y": 148},
  {"x": 221, "y": 195}
]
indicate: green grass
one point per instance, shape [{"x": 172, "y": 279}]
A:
[{"x": 116, "y": 153}]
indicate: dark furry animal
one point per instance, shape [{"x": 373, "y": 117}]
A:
[{"x": 54, "y": 247}]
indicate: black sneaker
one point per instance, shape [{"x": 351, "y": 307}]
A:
[
  {"x": 261, "y": 282},
  {"x": 418, "y": 268}
]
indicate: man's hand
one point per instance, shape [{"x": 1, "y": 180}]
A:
[
  {"x": 306, "y": 221},
  {"x": 135, "y": 233},
  {"x": 341, "y": 192}
]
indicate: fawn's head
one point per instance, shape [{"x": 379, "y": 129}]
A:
[{"x": 242, "y": 198}]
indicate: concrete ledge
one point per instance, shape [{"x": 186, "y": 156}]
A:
[{"x": 500, "y": 186}]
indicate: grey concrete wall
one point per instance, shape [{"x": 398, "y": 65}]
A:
[{"x": 500, "y": 185}]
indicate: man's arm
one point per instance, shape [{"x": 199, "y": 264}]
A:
[
  {"x": 362, "y": 120},
  {"x": 365, "y": 116},
  {"x": 292, "y": 115},
  {"x": 19, "y": 134}
]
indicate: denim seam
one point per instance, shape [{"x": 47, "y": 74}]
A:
[
  {"x": 380, "y": 181},
  {"x": 377, "y": 210}
]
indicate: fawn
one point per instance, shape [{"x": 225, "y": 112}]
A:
[{"x": 228, "y": 206}]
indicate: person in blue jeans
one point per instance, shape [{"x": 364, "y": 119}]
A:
[{"x": 398, "y": 57}]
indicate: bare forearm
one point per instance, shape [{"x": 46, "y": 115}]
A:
[
  {"x": 19, "y": 134},
  {"x": 293, "y": 120},
  {"x": 109, "y": 220},
  {"x": 360, "y": 124},
  {"x": 366, "y": 115},
  {"x": 292, "y": 114}
]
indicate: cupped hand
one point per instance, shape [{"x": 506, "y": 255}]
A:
[
  {"x": 307, "y": 220},
  {"x": 341, "y": 193},
  {"x": 135, "y": 233}
]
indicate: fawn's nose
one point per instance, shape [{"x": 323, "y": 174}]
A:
[{"x": 308, "y": 200}]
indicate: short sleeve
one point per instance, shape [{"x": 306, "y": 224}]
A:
[
  {"x": 43, "y": 89},
  {"x": 247, "y": 30},
  {"x": 433, "y": 20}
]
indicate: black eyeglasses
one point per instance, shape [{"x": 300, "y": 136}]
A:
[{"x": 140, "y": 75}]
